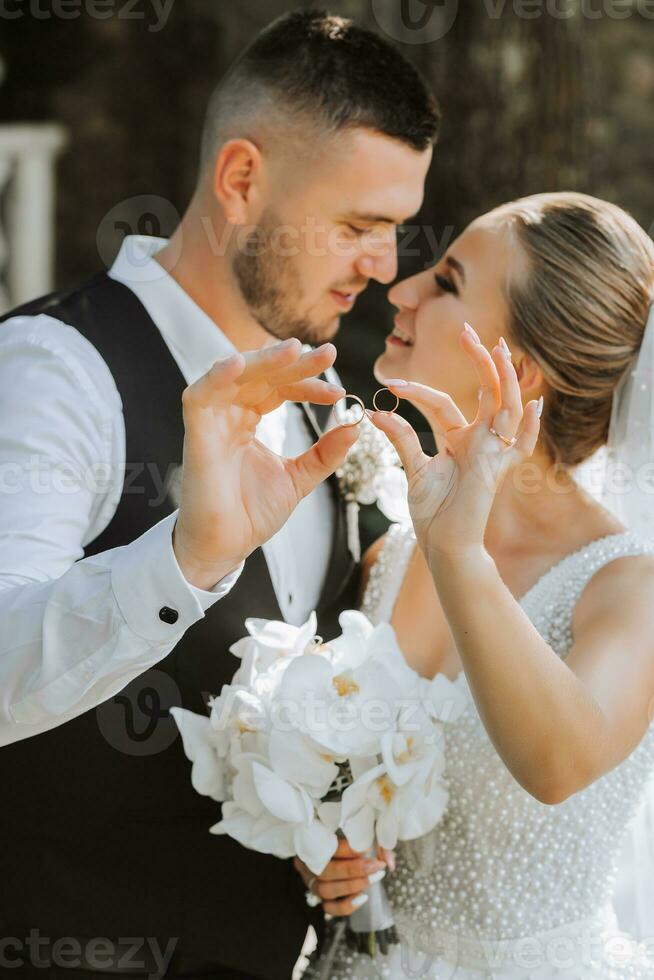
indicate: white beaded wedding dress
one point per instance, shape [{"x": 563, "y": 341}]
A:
[{"x": 506, "y": 887}]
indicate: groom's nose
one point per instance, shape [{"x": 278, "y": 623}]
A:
[{"x": 382, "y": 265}]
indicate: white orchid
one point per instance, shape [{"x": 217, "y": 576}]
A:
[
  {"x": 241, "y": 721},
  {"x": 344, "y": 710},
  {"x": 270, "y": 642},
  {"x": 276, "y": 817},
  {"x": 392, "y": 492},
  {"x": 209, "y": 770},
  {"x": 447, "y": 699},
  {"x": 300, "y": 760},
  {"x": 375, "y": 807},
  {"x": 275, "y": 742}
]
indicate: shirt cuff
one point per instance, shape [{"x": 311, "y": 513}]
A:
[
  {"x": 156, "y": 601},
  {"x": 207, "y": 599}
]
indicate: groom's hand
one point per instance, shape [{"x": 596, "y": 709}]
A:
[{"x": 236, "y": 494}]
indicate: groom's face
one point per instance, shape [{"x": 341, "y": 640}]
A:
[{"x": 328, "y": 226}]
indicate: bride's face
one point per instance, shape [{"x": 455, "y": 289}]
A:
[{"x": 467, "y": 284}]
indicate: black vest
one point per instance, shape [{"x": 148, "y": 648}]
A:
[{"x": 103, "y": 835}]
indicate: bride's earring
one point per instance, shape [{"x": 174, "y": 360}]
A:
[
  {"x": 390, "y": 411},
  {"x": 347, "y": 425}
]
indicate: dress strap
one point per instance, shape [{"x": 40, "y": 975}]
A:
[{"x": 387, "y": 574}]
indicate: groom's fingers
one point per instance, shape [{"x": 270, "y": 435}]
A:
[
  {"x": 309, "y": 365},
  {"x": 222, "y": 383},
  {"x": 313, "y": 390},
  {"x": 256, "y": 386},
  {"x": 319, "y": 462},
  {"x": 218, "y": 385}
]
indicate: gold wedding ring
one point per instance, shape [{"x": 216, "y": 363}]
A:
[
  {"x": 347, "y": 425},
  {"x": 390, "y": 411},
  {"x": 509, "y": 442}
]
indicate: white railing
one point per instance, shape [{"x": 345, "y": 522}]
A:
[{"x": 28, "y": 153}]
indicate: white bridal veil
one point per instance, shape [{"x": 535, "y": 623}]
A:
[{"x": 621, "y": 476}]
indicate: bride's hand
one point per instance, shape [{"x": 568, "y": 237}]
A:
[
  {"x": 451, "y": 494},
  {"x": 345, "y": 878}
]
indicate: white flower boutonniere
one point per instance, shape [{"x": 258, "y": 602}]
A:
[{"x": 372, "y": 473}]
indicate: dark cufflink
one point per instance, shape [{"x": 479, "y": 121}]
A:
[{"x": 168, "y": 615}]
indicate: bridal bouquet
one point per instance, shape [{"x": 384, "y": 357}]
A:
[{"x": 313, "y": 739}]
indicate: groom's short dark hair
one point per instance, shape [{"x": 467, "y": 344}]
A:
[{"x": 325, "y": 71}]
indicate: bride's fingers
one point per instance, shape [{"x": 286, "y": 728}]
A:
[
  {"x": 508, "y": 418},
  {"x": 489, "y": 402},
  {"x": 347, "y": 869},
  {"x": 529, "y": 431},
  {"x": 404, "y": 438},
  {"x": 330, "y": 891},
  {"x": 433, "y": 404}
]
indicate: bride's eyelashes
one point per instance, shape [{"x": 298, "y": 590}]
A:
[{"x": 445, "y": 284}]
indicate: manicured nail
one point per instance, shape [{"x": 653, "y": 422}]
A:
[
  {"x": 390, "y": 858},
  {"x": 369, "y": 413},
  {"x": 539, "y": 410},
  {"x": 291, "y": 342},
  {"x": 505, "y": 347},
  {"x": 473, "y": 333},
  {"x": 378, "y": 875},
  {"x": 359, "y": 901},
  {"x": 337, "y": 389},
  {"x": 396, "y": 383}
]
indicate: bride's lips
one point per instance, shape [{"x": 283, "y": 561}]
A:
[{"x": 396, "y": 342}]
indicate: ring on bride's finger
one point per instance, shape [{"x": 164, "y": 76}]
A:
[
  {"x": 389, "y": 410},
  {"x": 509, "y": 442},
  {"x": 347, "y": 425}
]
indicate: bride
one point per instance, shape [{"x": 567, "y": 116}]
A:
[{"x": 518, "y": 584}]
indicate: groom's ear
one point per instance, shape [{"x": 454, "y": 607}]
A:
[{"x": 237, "y": 181}]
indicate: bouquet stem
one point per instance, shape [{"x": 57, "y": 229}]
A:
[{"x": 371, "y": 929}]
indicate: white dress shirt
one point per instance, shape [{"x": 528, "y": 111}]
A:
[{"x": 75, "y": 632}]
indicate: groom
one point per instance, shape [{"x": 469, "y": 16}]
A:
[{"x": 316, "y": 146}]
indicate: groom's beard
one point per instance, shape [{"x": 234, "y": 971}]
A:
[{"x": 271, "y": 286}]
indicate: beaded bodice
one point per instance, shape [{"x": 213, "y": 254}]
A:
[{"x": 500, "y": 863}]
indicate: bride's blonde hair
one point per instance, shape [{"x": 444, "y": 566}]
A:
[{"x": 580, "y": 310}]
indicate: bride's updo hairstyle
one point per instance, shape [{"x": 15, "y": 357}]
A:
[{"x": 579, "y": 308}]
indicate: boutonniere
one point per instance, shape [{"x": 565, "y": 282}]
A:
[{"x": 371, "y": 474}]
